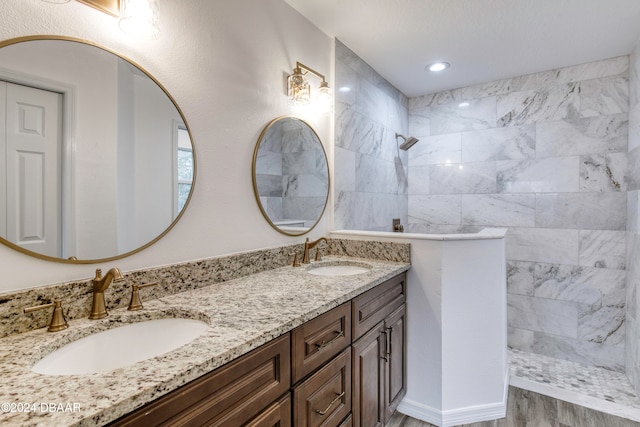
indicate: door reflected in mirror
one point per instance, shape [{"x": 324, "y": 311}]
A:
[
  {"x": 98, "y": 158},
  {"x": 290, "y": 175}
]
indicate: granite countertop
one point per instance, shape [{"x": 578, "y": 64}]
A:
[{"x": 242, "y": 314}]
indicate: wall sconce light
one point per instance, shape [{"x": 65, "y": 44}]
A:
[
  {"x": 111, "y": 7},
  {"x": 139, "y": 17},
  {"x": 299, "y": 89},
  {"x": 136, "y": 17}
]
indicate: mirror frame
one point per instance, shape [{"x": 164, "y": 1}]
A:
[
  {"x": 255, "y": 183},
  {"x": 16, "y": 40}
]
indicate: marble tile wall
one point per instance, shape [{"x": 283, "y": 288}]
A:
[
  {"x": 269, "y": 173},
  {"x": 544, "y": 155},
  {"x": 291, "y": 173},
  {"x": 632, "y": 343},
  {"x": 370, "y": 171}
]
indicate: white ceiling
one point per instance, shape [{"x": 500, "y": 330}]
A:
[{"x": 484, "y": 40}]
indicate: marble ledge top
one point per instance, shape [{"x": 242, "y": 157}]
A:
[
  {"x": 484, "y": 234},
  {"x": 243, "y": 314}
]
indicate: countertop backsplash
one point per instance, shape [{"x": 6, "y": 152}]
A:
[{"x": 76, "y": 296}]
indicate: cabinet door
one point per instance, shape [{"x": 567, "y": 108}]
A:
[
  {"x": 368, "y": 378},
  {"x": 276, "y": 415},
  {"x": 324, "y": 399},
  {"x": 395, "y": 373}
]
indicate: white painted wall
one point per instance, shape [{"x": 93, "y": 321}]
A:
[
  {"x": 474, "y": 331},
  {"x": 456, "y": 325},
  {"x": 225, "y": 64}
]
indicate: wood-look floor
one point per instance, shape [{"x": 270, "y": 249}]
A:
[
  {"x": 401, "y": 420},
  {"x": 528, "y": 409}
]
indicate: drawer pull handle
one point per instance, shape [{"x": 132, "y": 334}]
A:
[
  {"x": 338, "y": 397},
  {"x": 323, "y": 344}
]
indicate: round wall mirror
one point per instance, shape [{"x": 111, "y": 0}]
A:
[
  {"x": 97, "y": 159},
  {"x": 290, "y": 175}
]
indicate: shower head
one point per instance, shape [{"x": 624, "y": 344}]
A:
[{"x": 408, "y": 142}]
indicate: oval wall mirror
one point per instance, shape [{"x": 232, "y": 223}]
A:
[
  {"x": 290, "y": 175},
  {"x": 98, "y": 159}
]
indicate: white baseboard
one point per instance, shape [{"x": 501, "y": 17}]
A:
[
  {"x": 455, "y": 417},
  {"x": 420, "y": 411}
]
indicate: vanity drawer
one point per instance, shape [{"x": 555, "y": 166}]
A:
[
  {"x": 348, "y": 422},
  {"x": 230, "y": 395},
  {"x": 276, "y": 415},
  {"x": 374, "y": 305},
  {"x": 324, "y": 399},
  {"x": 319, "y": 340}
]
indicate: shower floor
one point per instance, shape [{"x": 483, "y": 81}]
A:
[{"x": 595, "y": 388}]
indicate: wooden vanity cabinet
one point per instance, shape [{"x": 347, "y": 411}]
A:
[
  {"x": 324, "y": 399},
  {"x": 345, "y": 368},
  {"x": 379, "y": 360},
  {"x": 395, "y": 375},
  {"x": 229, "y": 396},
  {"x": 317, "y": 341},
  {"x": 276, "y": 415},
  {"x": 368, "y": 378},
  {"x": 348, "y": 422},
  {"x": 321, "y": 368},
  {"x": 373, "y": 306}
]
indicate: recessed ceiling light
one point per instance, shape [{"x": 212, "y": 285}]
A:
[
  {"x": 344, "y": 89},
  {"x": 438, "y": 66}
]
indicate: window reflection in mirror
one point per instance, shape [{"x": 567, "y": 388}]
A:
[{"x": 184, "y": 177}]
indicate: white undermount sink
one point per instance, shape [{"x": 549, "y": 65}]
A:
[
  {"x": 338, "y": 269},
  {"x": 120, "y": 347}
]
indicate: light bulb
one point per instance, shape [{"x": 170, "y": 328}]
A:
[
  {"x": 324, "y": 98},
  {"x": 139, "y": 18},
  {"x": 438, "y": 66}
]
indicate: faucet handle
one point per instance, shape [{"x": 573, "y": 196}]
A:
[
  {"x": 135, "y": 303},
  {"x": 318, "y": 256},
  {"x": 58, "y": 322},
  {"x": 296, "y": 261}
]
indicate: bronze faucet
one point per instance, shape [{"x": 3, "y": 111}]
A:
[
  {"x": 100, "y": 284},
  {"x": 310, "y": 245}
]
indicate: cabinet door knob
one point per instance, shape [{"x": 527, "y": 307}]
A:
[{"x": 338, "y": 397}]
